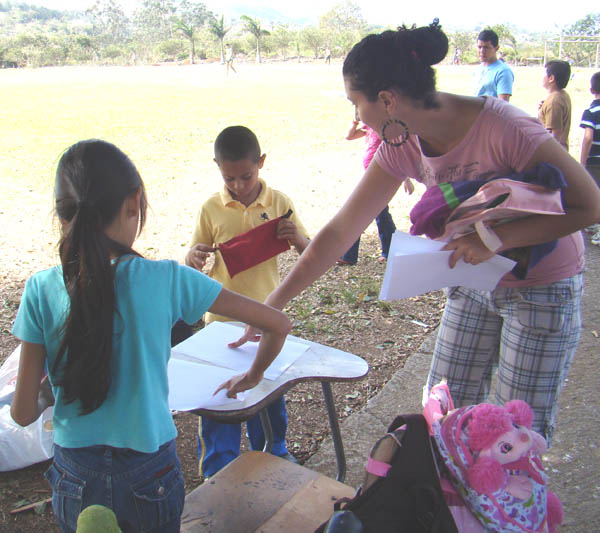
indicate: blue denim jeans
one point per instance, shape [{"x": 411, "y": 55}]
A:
[
  {"x": 145, "y": 490},
  {"x": 385, "y": 228}
]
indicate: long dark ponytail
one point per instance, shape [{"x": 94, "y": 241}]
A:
[
  {"x": 93, "y": 179},
  {"x": 399, "y": 60}
]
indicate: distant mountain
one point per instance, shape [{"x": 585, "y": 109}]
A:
[{"x": 266, "y": 15}]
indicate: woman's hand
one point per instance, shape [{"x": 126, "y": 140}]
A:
[
  {"x": 250, "y": 335},
  {"x": 470, "y": 249}
]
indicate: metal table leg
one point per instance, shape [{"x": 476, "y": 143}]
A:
[
  {"x": 335, "y": 431},
  {"x": 267, "y": 429}
]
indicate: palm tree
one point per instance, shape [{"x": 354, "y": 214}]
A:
[
  {"x": 190, "y": 32},
  {"x": 253, "y": 26},
  {"x": 217, "y": 28}
]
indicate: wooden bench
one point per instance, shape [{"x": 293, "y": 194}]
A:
[{"x": 261, "y": 492}]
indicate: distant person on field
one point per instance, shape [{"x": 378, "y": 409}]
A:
[
  {"x": 555, "y": 110},
  {"x": 229, "y": 58},
  {"x": 244, "y": 203},
  {"x": 494, "y": 77},
  {"x": 384, "y": 220},
  {"x": 590, "y": 122},
  {"x": 590, "y": 146},
  {"x": 456, "y": 60},
  {"x": 328, "y": 56}
]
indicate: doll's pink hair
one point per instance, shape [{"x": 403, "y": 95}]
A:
[{"x": 489, "y": 421}]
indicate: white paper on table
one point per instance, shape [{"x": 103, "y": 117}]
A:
[
  {"x": 417, "y": 265},
  {"x": 210, "y": 344},
  {"x": 191, "y": 386}
]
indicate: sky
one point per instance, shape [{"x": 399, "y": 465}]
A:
[{"x": 467, "y": 14}]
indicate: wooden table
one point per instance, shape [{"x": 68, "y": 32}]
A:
[
  {"x": 318, "y": 363},
  {"x": 259, "y": 492}
]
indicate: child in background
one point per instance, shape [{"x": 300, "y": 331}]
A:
[
  {"x": 245, "y": 203},
  {"x": 385, "y": 222},
  {"x": 100, "y": 324},
  {"x": 590, "y": 146},
  {"x": 555, "y": 110},
  {"x": 229, "y": 58}
]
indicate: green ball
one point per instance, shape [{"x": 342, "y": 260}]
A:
[{"x": 97, "y": 519}]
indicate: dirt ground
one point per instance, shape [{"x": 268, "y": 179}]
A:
[{"x": 341, "y": 310}]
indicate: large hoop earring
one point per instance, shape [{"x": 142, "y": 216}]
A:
[{"x": 405, "y": 136}]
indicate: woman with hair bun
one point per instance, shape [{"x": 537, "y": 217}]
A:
[{"x": 528, "y": 327}]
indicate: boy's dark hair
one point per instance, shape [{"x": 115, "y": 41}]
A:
[
  {"x": 93, "y": 179},
  {"x": 398, "y": 60},
  {"x": 488, "y": 36},
  {"x": 595, "y": 83},
  {"x": 235, "y": 143},
  {"x": 561, "y": 70}
]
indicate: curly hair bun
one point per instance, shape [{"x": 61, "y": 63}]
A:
[{"x": 428, "y": 43}]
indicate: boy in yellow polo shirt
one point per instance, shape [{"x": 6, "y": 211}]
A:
[{"x": 245, "y": 203}]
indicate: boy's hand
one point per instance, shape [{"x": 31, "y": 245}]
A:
[
  {"x": 287, "y": 230},
  {"x": 408, "y": 186},
  {"x": 198, "y": 255}
]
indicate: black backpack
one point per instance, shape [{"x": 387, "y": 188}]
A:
[{"x": 408, "y": 499}]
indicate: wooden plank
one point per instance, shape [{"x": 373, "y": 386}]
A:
[
  {"x": 244, "y": 495},
  {"x": 309, "y": 507}
]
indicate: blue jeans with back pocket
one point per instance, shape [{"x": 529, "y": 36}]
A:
[{"x": 145, "y": 490}]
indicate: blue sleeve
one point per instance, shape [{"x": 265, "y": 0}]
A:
[
  {"x": 193, "y": 293},
  {"x": 586, "y": 120},
  {"x": 28, "y": 324},
  {"x": 504, "y": 81}
]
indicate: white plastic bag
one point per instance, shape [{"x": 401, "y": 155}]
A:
[
  {"x": 21, "y": 446},
  {"x": 8, "y": 376}
]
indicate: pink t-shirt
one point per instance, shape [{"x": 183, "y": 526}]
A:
[
  {"x": 373, "y": 141},
  {"x": 501, "y": 141}
]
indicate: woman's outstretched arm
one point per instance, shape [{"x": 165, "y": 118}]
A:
[{"x": 370, "y": 196}]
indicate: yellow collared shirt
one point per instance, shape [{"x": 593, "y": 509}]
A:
[{"x": 221, "y": 218}]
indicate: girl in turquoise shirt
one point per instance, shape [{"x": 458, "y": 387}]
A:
[{"x": 100, "y": 324}]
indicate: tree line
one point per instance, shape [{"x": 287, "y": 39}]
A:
[{"x": 187, "y": 31}]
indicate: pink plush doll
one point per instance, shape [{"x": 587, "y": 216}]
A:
[{"x": 507, "y": 454}]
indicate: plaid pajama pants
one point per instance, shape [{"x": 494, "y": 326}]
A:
[{"x": 530, "y": 334}]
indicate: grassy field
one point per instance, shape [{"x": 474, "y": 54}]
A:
[{"x": 166, "y": 119}]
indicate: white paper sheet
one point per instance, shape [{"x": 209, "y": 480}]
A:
[
  {"x": 210, "y": 344},
  {"x": 191, "y": 386},
  {"x": 417, "y": 265}
]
